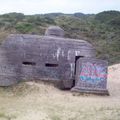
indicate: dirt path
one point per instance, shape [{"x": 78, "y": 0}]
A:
[{"x": 33, "y": 101}]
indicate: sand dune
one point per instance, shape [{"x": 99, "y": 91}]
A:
[{"x": 41, "y": 101}]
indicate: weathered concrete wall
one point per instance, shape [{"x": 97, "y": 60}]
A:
[
  {"x": 91, "y": 76},
  {"x": 8, "y": 72},
  {"x": 42, "y": 57}
]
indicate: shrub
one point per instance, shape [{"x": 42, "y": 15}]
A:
[{"x": 24, "y": 27}]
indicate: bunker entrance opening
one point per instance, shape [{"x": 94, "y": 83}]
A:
[{"x": 76, "y": 58}]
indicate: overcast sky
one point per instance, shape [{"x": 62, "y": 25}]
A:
[{"x": 65, "y": 6}]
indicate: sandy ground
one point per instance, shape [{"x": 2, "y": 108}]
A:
[{"x": 40, "y": 101}]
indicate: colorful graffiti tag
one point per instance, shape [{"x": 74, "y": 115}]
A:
[{"x": 93, "y": 72}]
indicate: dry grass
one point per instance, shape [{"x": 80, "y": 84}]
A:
[
  {"x": 3, "y": 35},
  {"x": 34, "y": 101}
]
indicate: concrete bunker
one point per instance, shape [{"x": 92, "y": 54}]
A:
[
  {"x": 69, "y": 62},
  {"x": 48, "y": 57}
]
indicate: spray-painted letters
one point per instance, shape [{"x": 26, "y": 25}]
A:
[{"x": 93, "y": 72}]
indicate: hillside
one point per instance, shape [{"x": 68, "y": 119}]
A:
[
  {"x": 102, "y": 29},
  {"x": 40, "y": 101}
]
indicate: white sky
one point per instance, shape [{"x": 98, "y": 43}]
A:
[{"x": 65, "y": 6}]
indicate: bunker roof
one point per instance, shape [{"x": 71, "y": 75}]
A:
[
  {"x": 55, "y": 31},
  {"x": 48, "y": 37}
]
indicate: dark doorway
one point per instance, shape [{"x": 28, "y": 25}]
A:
[{"x": 76, "y": 58}]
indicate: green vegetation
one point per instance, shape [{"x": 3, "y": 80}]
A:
[
  {"x": 102, "y": 29},
  {"x": 24, "y": 27}
]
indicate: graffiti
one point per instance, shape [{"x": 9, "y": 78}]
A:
[{"x": 93, "y": 72}]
